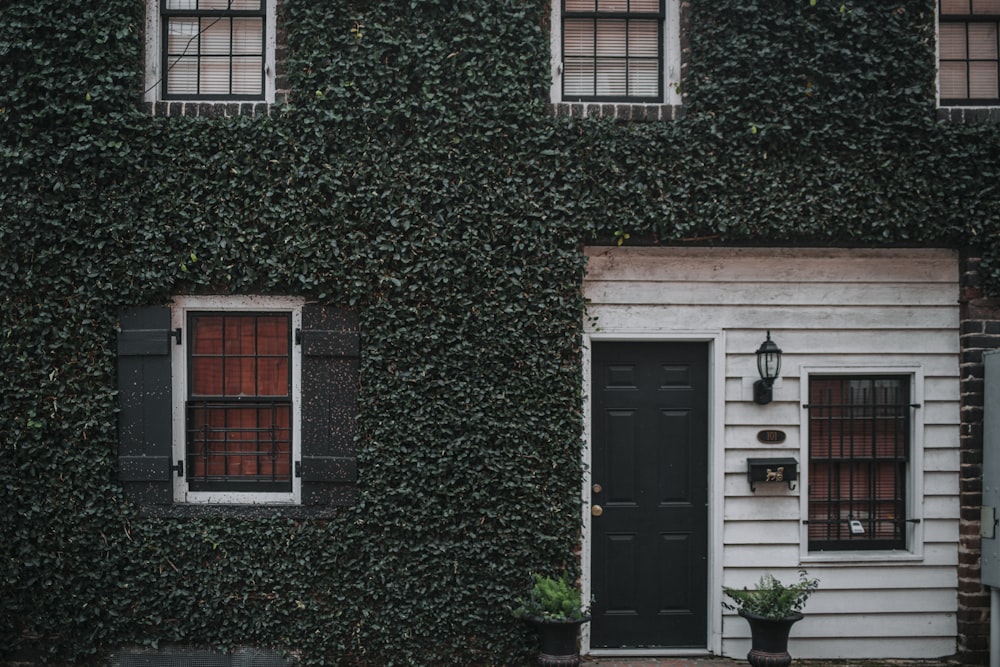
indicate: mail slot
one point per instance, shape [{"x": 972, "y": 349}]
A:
[{"x": 770, "y": 471}]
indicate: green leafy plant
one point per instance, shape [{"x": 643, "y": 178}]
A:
[
  {"x": 414, "y": 174},
  {"x": 552, "y": 599},
  {"x": 772, "y": 599}
]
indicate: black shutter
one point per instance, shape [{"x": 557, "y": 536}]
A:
[
  {"x": 145, "y": 439},
  {"x": 331, "y": 345}
]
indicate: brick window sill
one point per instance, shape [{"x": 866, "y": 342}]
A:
[
  {"x": 969, "y": 115},
  {"x": 636, "y": 113},
  {"x": 209, "y": 109}
]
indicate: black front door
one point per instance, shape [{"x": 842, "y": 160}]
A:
[{"x": 649, "y": 538}]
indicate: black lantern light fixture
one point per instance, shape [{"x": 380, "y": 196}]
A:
[{"x": 768, "y": 365}]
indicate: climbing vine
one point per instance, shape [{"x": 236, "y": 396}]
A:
[{"x": 417, "y": 176}]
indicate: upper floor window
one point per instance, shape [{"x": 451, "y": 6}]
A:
[
  {"x": 969, "y": 52},
  {"x": 859, "y": 430},
  {"x": 238, "y": 400},
  {"x": 238, "y": 412},
  {"x": 210, "y": 50},
  {"x": 624, "y": 51}
]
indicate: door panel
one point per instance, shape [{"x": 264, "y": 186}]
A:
[{"x": 650, "y": 470}]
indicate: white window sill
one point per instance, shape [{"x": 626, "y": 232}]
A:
[{"x": 861, "y": 557}]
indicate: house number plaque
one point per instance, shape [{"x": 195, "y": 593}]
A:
[{"x": 771, "y": 437}]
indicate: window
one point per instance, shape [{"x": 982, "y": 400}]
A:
[
  {"x": 238, "y": 409},
  {"x": 968, "y": 51},
  {"x": 616, "y": 51},
  {"x": 859, "y": 430},
  {"x": 238, "y": 401},
  {"x": 210, "y": 50}
]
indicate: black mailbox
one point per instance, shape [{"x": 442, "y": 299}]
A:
[{"x": 772, "y": 470}]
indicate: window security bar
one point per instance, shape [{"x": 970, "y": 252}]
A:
[
  {"x": 859, "y": 450},
  {"x": 239, "y": 446}
]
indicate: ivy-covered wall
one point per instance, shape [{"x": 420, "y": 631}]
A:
[{"x": 417, "y": 175}]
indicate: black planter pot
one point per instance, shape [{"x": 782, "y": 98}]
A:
[
  {"x": 769, "y": 640},
  {"x": 559, "y": 641}
]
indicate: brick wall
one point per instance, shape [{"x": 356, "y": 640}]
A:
[{"x": 980, "y": 331}]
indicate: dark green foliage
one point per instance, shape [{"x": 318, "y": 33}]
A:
[
  {"x": 416, "y": 177},
  {"x": 552, "y": 599},
  {"x": 771, "y": 598}
]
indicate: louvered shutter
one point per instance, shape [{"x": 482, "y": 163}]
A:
[
  {"x": 145, "y": 437},
  {"x": 330, "y": 365}
]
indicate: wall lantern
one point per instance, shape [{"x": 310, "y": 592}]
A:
[{"x": 768, "y": 365}]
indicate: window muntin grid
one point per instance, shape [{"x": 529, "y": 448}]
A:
[
  {"x": 969, "y": 52},
  {"x": 238, "y": 411},
  {"x": 859, "y": 450},
  {"x": 213, "y": 49},
  {"x": 612, "y": 50}
]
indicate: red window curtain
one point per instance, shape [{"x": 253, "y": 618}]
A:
[
  {"x": 858, "y": 449},
  {"x": 239, "y": 410}
]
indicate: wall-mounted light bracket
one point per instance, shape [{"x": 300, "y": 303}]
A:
[
  {"x": 771, "y": 471},
  {"x": 768, "y": 366}
]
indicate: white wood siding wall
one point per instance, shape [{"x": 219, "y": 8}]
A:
[{"x": 830, "y": 308}]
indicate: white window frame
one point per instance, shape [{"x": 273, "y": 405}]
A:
[
  {"x": 914, "y": 479},
  {"x": 153, "y": 77},
  {"x": 179, "y": 310},
  {"x": 937, "y": 65},
  {"x": 671, "y": 55}
]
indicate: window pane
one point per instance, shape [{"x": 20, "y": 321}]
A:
[
  {"x": 611, "y": 39},
  {"x": 206, "y": 376},
  {"x": 954, "y": 84},
  {"x": 643, "y": 39},
  {"x": 247, "y": 73},
  {"x": 240, "y": 332},
  {"x": 983, "y": 80},
  {"x": 235, "y": 5},
  {"x": 952, "y": 41},
  {"x": 611, "y": 78},
  {"x": 983, "y": 40},
  {"x": 272, "y": 377},
  {"x": 643, "y": 78},
  {"x": 272, "y": 335},
  {"x": 578, "y": 77},
  {"x": 182, "y": 4},
  {"x": 248, "y": 36},
  {"x": 645, "y": 6},
  {"x": 579, "y": 5},
  {"x": 182, "y": 37},
  {"x": 612, "y": 5},
  {"x": 206, "y": 335},
  {"x": 578, "y": 37},
  {"x": 241, "y": 376},
  {"x": 986, "y": 6},
  {"x": 215, "y": 36}
]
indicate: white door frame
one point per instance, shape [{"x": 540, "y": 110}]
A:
[{"x": 716, "y": 468}]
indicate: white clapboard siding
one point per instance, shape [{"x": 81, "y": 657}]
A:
[
  {"x": 940, "y": 530},
  {"x": 752, "y": 532},
  {"x": 763, "y": 555},
  {"x": 872, "y": 578},
  {"x": 825, "y": 308},
  {"x": 855, "y": 648}
]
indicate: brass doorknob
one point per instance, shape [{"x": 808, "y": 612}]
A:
[{"x": 596, "y": 510}]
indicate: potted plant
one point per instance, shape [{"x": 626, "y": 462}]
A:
[
  {"x": 771, "y": 609},
  {"x": 555, "y": 609}
]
